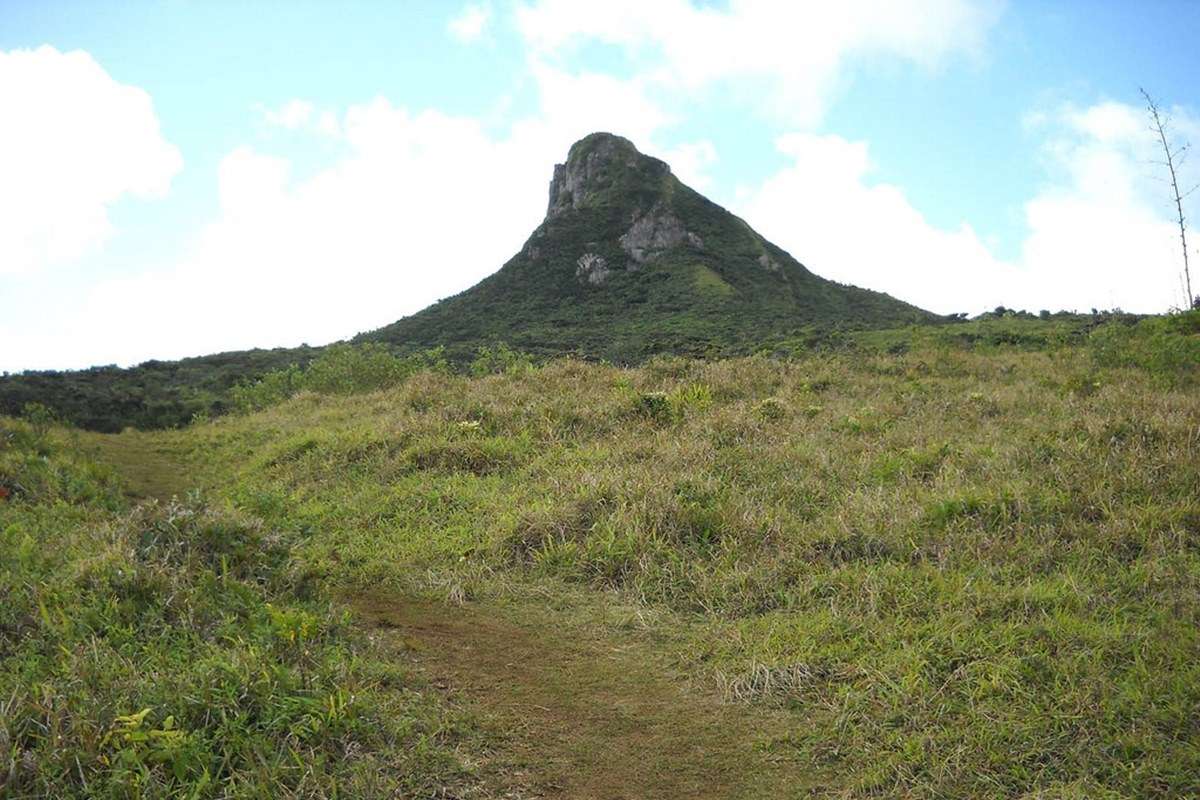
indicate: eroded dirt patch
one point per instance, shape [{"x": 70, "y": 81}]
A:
[{"x": 585, "y": 714}]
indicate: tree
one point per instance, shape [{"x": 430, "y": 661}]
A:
[{"x": 1174, "y": 155}]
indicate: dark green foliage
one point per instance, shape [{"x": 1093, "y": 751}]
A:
[
  {"x": 156, "y": 394},
  {"x": 718, "y": 298},
  {"x": 1167, "y": 347}
]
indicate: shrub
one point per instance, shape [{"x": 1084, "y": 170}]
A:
[
  {"x": 1166, "y": 347},
  {"x": 498, "y": 359},
  {"x": 772, "y": 409},
  {"x": 654, "y": 406},
  {"x": 272, "y": 388},
  {"x": 347, "y": 368},
  {"x": 340, "y": 369}
]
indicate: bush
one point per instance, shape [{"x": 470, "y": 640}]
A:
[
  {"x": 654, "y": 406},
  {"x": 500, "y": 359},
  {"x": 340, "y": 369},
  {"x": 274, "y": 387},
  {"x": 1166, "y": 347}
]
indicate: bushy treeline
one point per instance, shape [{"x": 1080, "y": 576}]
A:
[
  {"x": 155, "y": 394},
  {"x": 161, "y": 394},
  {"x": 351, "y": 368},
  {"x": 181, "y": 651},
  {"x": 1167, "y": 347}
]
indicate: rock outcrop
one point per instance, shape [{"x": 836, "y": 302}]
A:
[
  {"x": 655, "y": 232},
  {"x": 600, "y": 167},
  {"x": 592, "y": 268}
]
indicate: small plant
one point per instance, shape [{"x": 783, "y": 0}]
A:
[
  {"x": 498, "y": 359},
  {"x": 772, "y": 409},
  {"x": 40, "y": 418},
  {"x": 1084, "y": 384},
  {"x": 654, "y": 406},
  {"x": 692, "y": 397}
]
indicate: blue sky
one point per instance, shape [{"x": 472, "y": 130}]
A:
[{"x": 186, "y": 177}]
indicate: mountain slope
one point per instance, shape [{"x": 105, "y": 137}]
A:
[{"x": 630, "y": 262}]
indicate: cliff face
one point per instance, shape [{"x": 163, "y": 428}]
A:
[
  {"x": 594, "y": 168},
  {"x": 607, "y": 169}
]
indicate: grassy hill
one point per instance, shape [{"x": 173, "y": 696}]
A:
[{"x": 928, "y": 567}]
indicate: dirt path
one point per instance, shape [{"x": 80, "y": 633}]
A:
[{"x": 581, "y": 714}]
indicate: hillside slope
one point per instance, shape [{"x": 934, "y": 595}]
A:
[
  {"x": 630, "y": 262},
  {"x": 954, "y": 572}
]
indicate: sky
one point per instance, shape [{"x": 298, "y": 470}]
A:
[{"x": 181, "y": 177}]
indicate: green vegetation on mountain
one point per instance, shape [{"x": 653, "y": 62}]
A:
[
  {"x": 155, "y": 394},
  {"x": 684, "y": 276}
]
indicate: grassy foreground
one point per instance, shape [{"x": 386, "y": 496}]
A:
[
  {"x": 180, "y": 650},
  {"x": 959, "y": 572}
]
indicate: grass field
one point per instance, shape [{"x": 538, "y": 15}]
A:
[{"x": 921, "y": 567}]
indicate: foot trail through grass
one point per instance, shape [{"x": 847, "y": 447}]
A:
[
  {"x": 572, "y": 711},
  {"x": 583, "y": 713}
]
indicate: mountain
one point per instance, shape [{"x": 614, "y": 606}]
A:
[{"x": 630, "y": 262}]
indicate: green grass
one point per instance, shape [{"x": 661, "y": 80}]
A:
[
  {"x": 966, "y": 572},
  {"x": 960, "y": 569},
  {"x": 180, "y": 651},
  {"x": 709, "y": 282}
]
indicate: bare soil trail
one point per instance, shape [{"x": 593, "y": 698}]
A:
[
  {"x": 583, "y": 713},
  {"x": 571, "y": 710}
]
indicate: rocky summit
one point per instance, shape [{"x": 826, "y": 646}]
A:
[{"x": 630, "y": 262}]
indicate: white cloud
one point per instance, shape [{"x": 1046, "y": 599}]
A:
[
  {"x": 1098, "y": 234},
  {"x": 301, "y": 115},
  {"x": 826, "y": 212},
  {"x": 72, "y": 143},
  {"x": 690, "y": 162},
  {"x": 1104, "y": 234},
  {"x": 291, "y": 115},
  {"x": 421, "y": 206},
  {"x": 798, "y": 50},
  {"x": 470, "y": 24}
]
